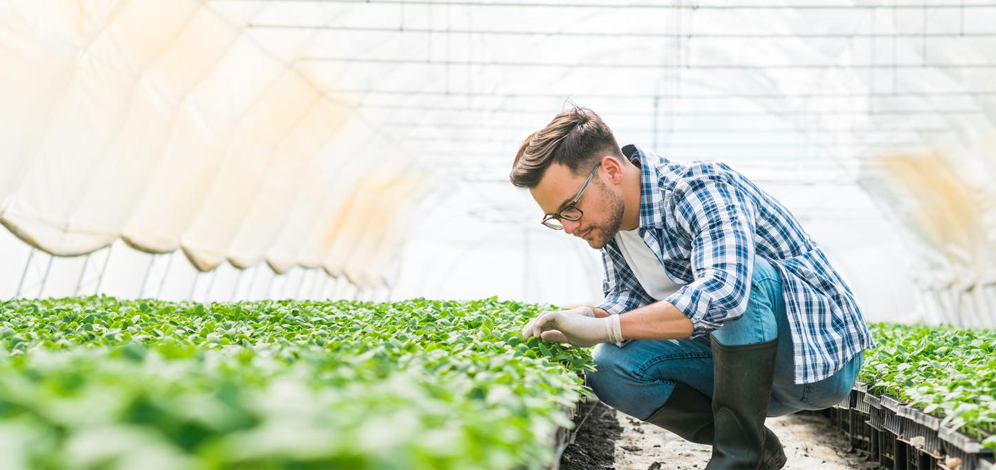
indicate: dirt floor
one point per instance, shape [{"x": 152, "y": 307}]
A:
[
  {"x": 594, "y": 445},
  {"x": 810, "y": 442}
]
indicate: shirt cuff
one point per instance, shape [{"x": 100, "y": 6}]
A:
[
  {"x": 612, "y": 308},
  {"x": 689, "y": 302}
]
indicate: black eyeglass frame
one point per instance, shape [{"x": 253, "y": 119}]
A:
[{"x": 551, "y": 218}]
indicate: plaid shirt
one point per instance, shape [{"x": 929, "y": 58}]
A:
[{"x": 705, "y": 222}]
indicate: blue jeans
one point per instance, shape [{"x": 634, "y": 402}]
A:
[{"x": 638, "y": 378}]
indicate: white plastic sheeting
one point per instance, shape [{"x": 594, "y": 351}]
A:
[
  {"x": 282, "y": 188},
  {"x": 949, "y": 210},
  {"x": 171, "y": 125},
  {"x": 292, "y": 133}
]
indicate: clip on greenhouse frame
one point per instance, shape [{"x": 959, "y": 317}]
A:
[{"x": 899, "y": 436}]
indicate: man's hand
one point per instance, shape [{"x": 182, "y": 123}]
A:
[
  {"x": 583, "y": 310},
  {"x": 575, "y": 326}
]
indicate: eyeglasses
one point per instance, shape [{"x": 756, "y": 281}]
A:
[{"x": 571, "y": 212}]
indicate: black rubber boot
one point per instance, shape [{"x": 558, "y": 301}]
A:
[
  {"x": 743, "y": 377},
  {"x": 688, "y": 413}
]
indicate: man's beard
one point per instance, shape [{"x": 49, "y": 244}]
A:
[{"x": 614, "y": 204}]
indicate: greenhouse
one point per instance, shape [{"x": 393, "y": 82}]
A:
[{"x": 498, "y": 234}]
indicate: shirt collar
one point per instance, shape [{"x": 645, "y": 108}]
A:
[{"x": 651, "y": 197}]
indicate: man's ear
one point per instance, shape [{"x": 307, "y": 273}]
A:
[{"x": 613, "y": 168}]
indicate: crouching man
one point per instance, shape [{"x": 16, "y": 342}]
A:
[{"x": 719, "y": 309}]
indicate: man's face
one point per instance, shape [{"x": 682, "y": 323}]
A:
[{"x": 601, "y": 204}]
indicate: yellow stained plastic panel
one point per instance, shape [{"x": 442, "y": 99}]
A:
[
  {"x": 134, "y": 154},
  {"x": 293, "y": 163},
  {"x": 363, "y": 209},
  {"x": 91, "y": 109},
  {"x": 251, "y": 154},
  {"x": 335, "y": 172},
  {"x": 198, "y": 147},
  {"x": 383, "y": 234},
  {"x": 389, "y": 251}
]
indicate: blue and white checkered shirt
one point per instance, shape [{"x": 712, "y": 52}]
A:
[{"x": 705, "y": 222}]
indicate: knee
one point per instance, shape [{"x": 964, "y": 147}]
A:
[
  {"x": 617, "y": 384},
  {"x": 607, "y": 371},
  {"x": 615, "y": 380}
]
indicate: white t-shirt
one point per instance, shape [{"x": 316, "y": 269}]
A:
[{"x": 648, "y": 270}]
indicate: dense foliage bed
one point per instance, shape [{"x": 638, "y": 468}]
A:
[
  {"x": 99, "y": 382},
  {"x": 944, "y": 371},
  {"x": 105, "y": 383}
]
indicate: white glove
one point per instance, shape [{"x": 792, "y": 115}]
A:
[
  {"x": 575, "y": 327},
  {"x": 582, "y": 310}
]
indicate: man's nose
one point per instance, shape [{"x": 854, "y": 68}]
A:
[{"x": 570, "y": 226}]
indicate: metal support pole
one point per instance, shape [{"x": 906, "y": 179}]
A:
[
  {"x": 79, "y": 283},
  {"x": 344, "y": 289},
  {"x": 309, "y": 274},
  {"x": 207, "y": 294},
  {"x": 335, "y": 291},
  {"x": 145, "y": 278},
  {"x": 162, "y": 281},
  {"x": 197, "y": 278},
  {"x": 285, "y": 280},
  {"x": 252, "y": 281},
  {"x": 24, "y": 274},
  {"x": 41, "y": 289},
  {"x": 329, "y": 288},
  {"x": 103, "y": 269},
  {"x": 319, "y": 286},
  {"x": 269, "y": 286},
  {"x": 351, "y": 290},
  {"x": 235, "y": 288},
  {"x": 316, "y": 281}
]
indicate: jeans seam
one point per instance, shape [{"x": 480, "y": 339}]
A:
[
  {"x": 642, "y": 370},
  {"x": 760, "y": 332},
  {"x": 766, "y": 280}
]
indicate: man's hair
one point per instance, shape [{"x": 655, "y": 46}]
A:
[{"x": 576, "y": 138}]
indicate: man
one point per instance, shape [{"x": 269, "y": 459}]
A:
[{"x": 719, "y": 309}]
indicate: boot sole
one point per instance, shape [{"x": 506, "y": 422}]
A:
[{"x": 776, "y": 462}]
